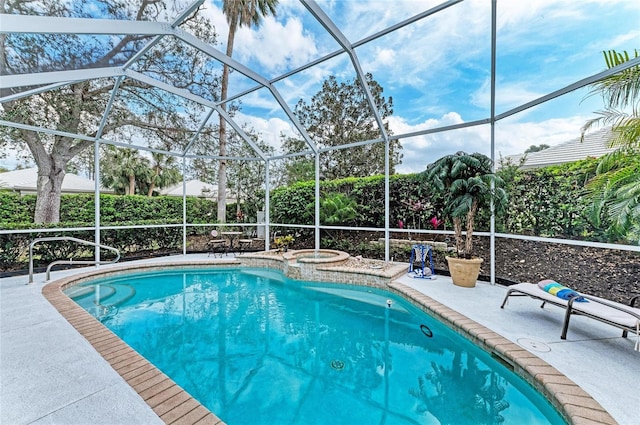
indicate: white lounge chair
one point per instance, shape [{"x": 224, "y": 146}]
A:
[{"x": 625, "y": 317}]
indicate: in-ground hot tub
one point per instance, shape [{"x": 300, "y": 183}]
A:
[
  {"x": 326, "y": 265},
  {"x": 317, "y": 256}
]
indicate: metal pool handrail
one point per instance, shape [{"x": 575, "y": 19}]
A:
[{"x": 72, "y": 239}]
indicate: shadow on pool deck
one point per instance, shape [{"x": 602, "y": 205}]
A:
[{"x": 51, "y": 374}]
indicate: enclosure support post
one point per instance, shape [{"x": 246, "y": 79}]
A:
[
  {"x": 96, "y": 200},
  {"x": 317, "y": 202},
  {"x": 184, "y": 206},
  {"x": 267, "y": 216},
  {"x": 492, "y": 237}
]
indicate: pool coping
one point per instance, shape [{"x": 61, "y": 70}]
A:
[
  {"x": 168, "y": 400},
  {"x": 573, "y": 403},
  {"x": 173, "y": 405}
]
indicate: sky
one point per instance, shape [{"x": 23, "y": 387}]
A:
[{"x": 437, "y": 70}]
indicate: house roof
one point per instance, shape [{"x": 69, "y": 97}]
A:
[
  {"x": 26, "y": 182},
  {"x": 196, "y": 188},
  {"x": 192, "y": 188},
  {"x": 594, "y": 145}
]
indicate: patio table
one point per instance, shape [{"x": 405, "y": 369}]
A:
[{"x": 232, "y": 237}]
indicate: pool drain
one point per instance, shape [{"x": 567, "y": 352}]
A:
[
  {"x": 337, "y": 364},
  {"x": 426, "y": 331}
]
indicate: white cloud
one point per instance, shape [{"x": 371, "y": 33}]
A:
[
  {"x": 425, "y": 63},
  {"x": 275, "y": 46},
  {"x": 269, "y": 129},
  {"x": 515, "y": 137},
  {"x": 508, "y": 94},
  {"x": 418, "y": 151},
  {"x": 511, "y": 137},
  {"x": 385, "y": 56}
]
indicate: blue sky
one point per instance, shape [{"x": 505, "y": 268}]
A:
[{"x": 438, "y": 69}]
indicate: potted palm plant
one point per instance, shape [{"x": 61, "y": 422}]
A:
[{"x": 468, "y": 183}]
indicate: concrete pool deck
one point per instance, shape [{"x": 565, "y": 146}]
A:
[{"x": 49, "y": 373}]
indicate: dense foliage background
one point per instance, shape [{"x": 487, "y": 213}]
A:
[{"x": 548, "y": 202}]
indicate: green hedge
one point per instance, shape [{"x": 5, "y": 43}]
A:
[
  {"x": 544, "y": 202},
  {"x": 15, "y": 208},
  {"x": 552, "y": 202},
  {"x": 114, "y": 209},
  {"x": 16, "y": 213},
  {"x": 547, "y": 202},
  {"x": 294, "y": 204}
]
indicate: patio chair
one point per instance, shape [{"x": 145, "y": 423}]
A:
[
  {"x": 246, "y": 243},
  {"x": 217, "y": 245},
  {"x": 625, "y": 317}
]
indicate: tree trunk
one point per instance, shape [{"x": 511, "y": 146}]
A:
[
  {"x": 222, "y": 166},
  {"x": 468, "y": 246},
  {"x": 132, "y": 184},
  {"x": 51, "y": 172},
  {"x": 48, "y": 200},
  {"x": 49, "y": 187},
  {"x": 457, "y": 230},
  {"x": 152, "y": 185},
  {"x": 52, "y": 162}
]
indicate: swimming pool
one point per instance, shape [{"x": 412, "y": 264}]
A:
[{"x": 255, "y": 347}]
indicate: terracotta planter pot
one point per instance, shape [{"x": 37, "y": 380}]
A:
[{"x": 464, "y": 272}]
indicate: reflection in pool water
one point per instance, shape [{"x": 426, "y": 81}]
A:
[{"x": 257, "y": 348}]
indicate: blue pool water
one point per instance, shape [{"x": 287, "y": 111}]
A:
[{"x": 257, "y": 348}]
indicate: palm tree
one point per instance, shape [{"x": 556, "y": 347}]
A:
[
  {"x": 163, "y": 172},
  {"x": 620, "y": 92},
  {"x": 123, "y": 168},
  {"x": 615, "y": 189},
  {"x": 467, "y": 183},
  {"x": 337, "y": 209},
  {"x": 239, "y": 13},
  {"x": 615, "y": 193}
]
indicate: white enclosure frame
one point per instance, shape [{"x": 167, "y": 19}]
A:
[{"x": 53, "y": 80}]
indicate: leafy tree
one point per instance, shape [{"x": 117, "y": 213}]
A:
[
  {"x": 138, "y": 110},
  {"x": 615, "y": 196},
  {"x": 83, "y": 163},
  {"x": 300, "y": 168},
  {"x": 616, "y": 188},
  {"x": 538, "y": 148},
  {"x": 338, "y": 115},
  {"x": 239, "y": 13}
]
